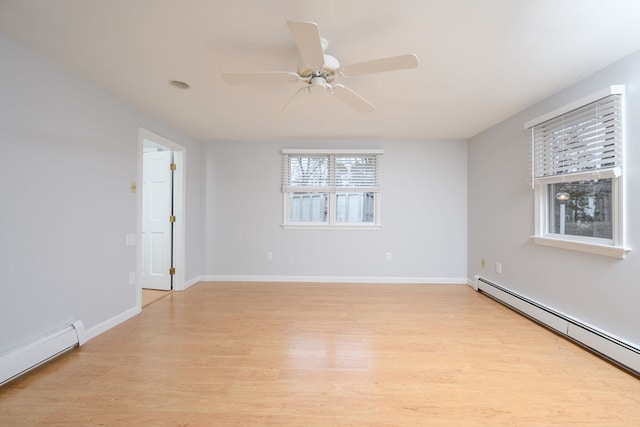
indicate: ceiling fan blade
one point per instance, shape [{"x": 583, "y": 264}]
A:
[
  {"x": 307, "y": 38},
  {"x": 294, "y": 104},
  {"x": 352, "y": 98},
  {"x": 381, "y": 65},
  {"x": 260, "y": 77}
]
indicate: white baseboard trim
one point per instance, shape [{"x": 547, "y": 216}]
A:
[
  {"x": 110, "y": 323},
  {"x": 335, "y": 279},
  {"x": 192, "y": 282}
]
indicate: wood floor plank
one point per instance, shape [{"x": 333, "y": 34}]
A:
[
  {"x": 149, "y": 296},
  {"x": 315, "y": 354}
]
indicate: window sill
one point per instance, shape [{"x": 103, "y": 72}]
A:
[
  {"x": 330, "y": 227},
  {"x": 593, "y": 248}
]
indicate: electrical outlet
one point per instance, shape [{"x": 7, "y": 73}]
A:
[
  {"x": 132, "y": 278},
  {"x": 269, "y": 255},
  {"x": 387, "y": 256},
  {"x": 483, "y": 262},
  {"x": 498, "y": 268}
]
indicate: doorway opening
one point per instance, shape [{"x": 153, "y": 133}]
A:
[{"x": 160, "y": 263}]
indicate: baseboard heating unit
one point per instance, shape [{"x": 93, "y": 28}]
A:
[
  {"x": 611, "y": 348},
  {"x": 18, "y": 361}
]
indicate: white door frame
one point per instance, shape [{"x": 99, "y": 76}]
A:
[{"x": 178, "y": 207}]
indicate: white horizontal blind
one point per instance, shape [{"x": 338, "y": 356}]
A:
[
  {"x": 305, "y": 173},
  {"x": 586, "y": 139},
  {"x": 357, "y": 173},
  {"x": 312, "y": 172}
]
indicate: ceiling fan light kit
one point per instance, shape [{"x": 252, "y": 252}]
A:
[{"x": 318, "y": 70}]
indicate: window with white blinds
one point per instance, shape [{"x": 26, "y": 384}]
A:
[
  {"x": 576, "y": 170},
  {"x": 357, "y": 172},
  {"x": 331, "y": 188},
  {"x": 585, "y": 140}
]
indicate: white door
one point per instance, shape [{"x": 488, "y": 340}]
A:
[{"x": 156, "y": 212}]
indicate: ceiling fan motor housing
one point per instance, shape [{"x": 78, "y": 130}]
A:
[{"x": 328, "y": 70}]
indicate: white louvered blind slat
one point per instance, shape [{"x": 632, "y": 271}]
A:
[
  {"x": 313, "y": 172},
  {"x": 586, "y": 139}
]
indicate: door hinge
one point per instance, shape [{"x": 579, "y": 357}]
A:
[
  {"x": 172, "y": 218},
  {"x": 172, "y": 271},
  {"x": 172, "y": 166}
]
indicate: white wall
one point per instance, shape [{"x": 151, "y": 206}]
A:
[
  {"x": 70, "y": 153},
  {"x": 423, "y": 215},
  {"x": 598, "y": 290}
]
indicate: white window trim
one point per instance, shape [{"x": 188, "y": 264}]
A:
[
  {"x": 328, "y": 151},
  {"x": 592, "y": 248},
  {"x": 608, "y": 247},
  {"x": 611, "y": 90},
  {"x": 328, "y": 225}
]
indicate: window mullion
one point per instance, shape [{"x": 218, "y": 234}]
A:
[{"x": 332, "y": 190}]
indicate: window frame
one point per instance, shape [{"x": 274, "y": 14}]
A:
[
  {"x": 613, "y": 247},
  {"x": 332, "y": 191}
]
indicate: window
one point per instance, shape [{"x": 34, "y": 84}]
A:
[
  {"x": 337, "y": 188},
  {"x": 576, "y": 174}
]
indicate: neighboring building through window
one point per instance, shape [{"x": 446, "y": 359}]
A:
[
  {"x": 576, "y": 173},
  {"x": 331, "y": 188}
]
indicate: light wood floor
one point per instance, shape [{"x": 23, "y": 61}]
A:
[
  {"x": 284, "y": 354},
  {"x": 149, "y": 296}
]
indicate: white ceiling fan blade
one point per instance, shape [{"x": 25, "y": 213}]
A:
[
  {"x": 381, "y": 65},
  {"x": 260, "y": 77},
  {"x": 307, "y": 38},
  {"x": 294, "y": 104},
  {"x": 352, "y": 98}
]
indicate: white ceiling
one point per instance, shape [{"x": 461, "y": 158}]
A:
[{"x": 479, "y": 61}]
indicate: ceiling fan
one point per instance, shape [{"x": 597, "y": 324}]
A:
[{"x": 317, "y": 70}]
